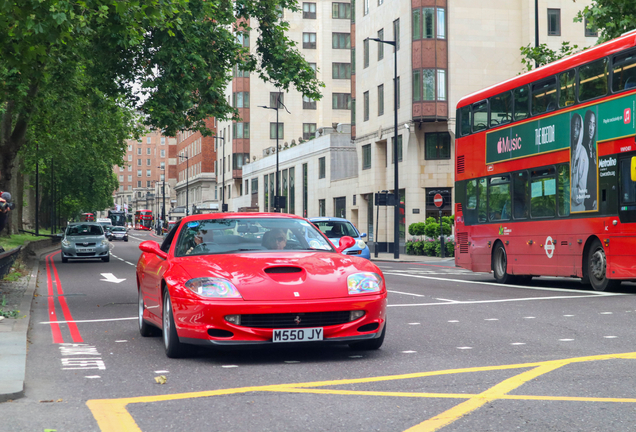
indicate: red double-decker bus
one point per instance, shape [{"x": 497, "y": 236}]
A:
[
  {"x": 143, "y": 220},
  {"x": 546, "y": 170},
  {"x": 87, "y": 217}
]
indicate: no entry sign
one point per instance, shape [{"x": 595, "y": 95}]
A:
[{"x": 438, "y": 200}]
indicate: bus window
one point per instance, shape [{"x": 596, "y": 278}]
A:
[
  {"x": 628, "y": 186},
  {"x": 464, "y": 114},
  {"x": 543, "y": 193},
  {"x": 471, "y": 195},
  {"x": 501, "y": 109},
  {"x": 521, "y": 102},
  {"x": 482, "y": 201},
  {"x": 480, "y": 116},
  {"x": 544, "y": 96},
  {"x": 520, "y": 197},
  {"x": 593, "y": 80},
  {"x": 624, "y": 72},
  {"x": 499, "y": 198},
  {"x": 564, "y": 189},
  {"x": 567, "y": 88}
]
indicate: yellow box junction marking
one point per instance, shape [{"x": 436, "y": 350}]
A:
[{"x": 111, "y": 414}]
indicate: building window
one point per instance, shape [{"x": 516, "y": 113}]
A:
[
  {"x": 365, "y": 52},
  {"x": 341, "y": 70},
  {"x": 366, "y": 156},
  {"x": 129, "y": 168},
  {"x": 147, "y": 162},
  {"x": 139, "y": 185},
  {"x": 138, "y": 173},
  {"x": 380, "y": 45},
  {"x": 148, "y": 173},
  {"x": 366, "y": 106},
  {"x": 254, "y": 186},
  {"x": 309, "y": 10},
  {"x": 163, "y": 153},
  {"x": 129, "y": 158},
  {"x": 276, "y": 99},
  {"x": 380, "y": 100},
  {"x": 341, "y": 101},
  {"x": 437, "y": 145},
  {"x": 399, "y": 148},
  {"x": 163, "y": 140},
  {"x": 162, "y": 165},
  {"x": 129, "y": 189},
  {"x": 340, "y": 40},
  {"x": 416, "y": 23},
  {"x": 149, "y": 140},
  {"x": 309, "y": 40},
  {"x": 241, "y": 130},
  {"x": 417, "y": 86},
  {"x": 241, "y": 100},
  {"x": 129, "y": 177},
  {"x": 148, "y": 183},
  {"x": 139, "y": 151},
  {"x": 243, "y": 38},
  {"x": 309, "y": 131},
  {"x": 138, "y": 162},
  {"x": 239, "y": 159},
  {"x": 341, "y": 10},
  {"x": 148, "y": 151},
  {"x": 554, "y": 22},
  {"x": 441, "y": 84},
  {"x": 321, "y": 168},
  {"x": 396, "y": 33},
  {"x": 321, "y": 208},
  {"x": 272, "y": 130},
  {"x": 590, "y": 31},
  {"x": 441, "y": 23},
  {"x": 121, "y": 178},
  {"x": 308, "y": 103},
  {"x": 366, "y": 7}
]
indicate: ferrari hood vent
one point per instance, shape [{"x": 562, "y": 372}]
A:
[{"x": 283, "y": 269}]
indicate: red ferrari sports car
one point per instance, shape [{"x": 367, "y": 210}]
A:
[{"x": 257, "y": 278}]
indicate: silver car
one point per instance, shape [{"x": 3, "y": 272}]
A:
[
  {"x": 84, "y": 240},
  {"x": 117, "y": 233}
]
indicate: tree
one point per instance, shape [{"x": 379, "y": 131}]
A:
[
  {"x": 611, "y": 18},
  {"x": 542, "y": 55},
  {"x": 181, "y": 53}
]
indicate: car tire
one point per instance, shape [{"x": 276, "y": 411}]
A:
[
  {"x": 371, "y": 344},
  {"x": 174, "y": 348},
  {"x": 500, "y": 265},
  {"x": 106, "y": 258},
  {"x": 64, "y": 259},
  {"x": 145, "y": 329},
  {"x": 597, "y": 268}
]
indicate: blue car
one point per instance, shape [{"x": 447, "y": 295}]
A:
[{"x": 335, "y": 228}]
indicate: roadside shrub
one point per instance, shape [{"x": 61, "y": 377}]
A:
[
  {"x": 419, "y": 248},
  {"x": 410, "y": 247},
  {"x": 429, "y": 247}
]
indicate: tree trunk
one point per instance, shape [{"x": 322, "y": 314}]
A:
[{"x": 18, "y": 198}]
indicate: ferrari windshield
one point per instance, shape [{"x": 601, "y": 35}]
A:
[{"x": 243, "y": 235}]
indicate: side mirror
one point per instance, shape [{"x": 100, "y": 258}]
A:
[
  {"x": 345, "y": 243},
  {"x": 363, "y": 235},
  {"x": 152, "y": 247},
  {"x": 633, "y": 168}
]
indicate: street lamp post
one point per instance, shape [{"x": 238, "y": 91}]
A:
[
  {"x": 277, "y": 208},
  {"x": 163, "y": 193},
  {"x": 223, "y": 208},
  {"x": 396, "y": 222},
  {"x": 187, "y": 180}
]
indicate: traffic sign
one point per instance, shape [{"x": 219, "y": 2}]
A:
[{"x": 438, "y": 200}]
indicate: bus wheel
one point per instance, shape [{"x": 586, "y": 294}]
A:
[
  {"x": 597, "y": 268},
  {"x": 500, "y": 265}
]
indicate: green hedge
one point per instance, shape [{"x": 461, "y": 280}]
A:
[{"x": 430, "y": 248}]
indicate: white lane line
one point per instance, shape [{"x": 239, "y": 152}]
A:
[
  {"x": 447, "y": 300},
  {"x": 568, "y": 316},
  {"x": 464, "y": 348},
  {"x": 405, "y": 293},
  {"x": 128, "y": 262},
  {"x": 595, "y": 293},
  {"x": 566, "y": 340},
  {"x": 92, "y": 376},
  {"x": 89, "y": 321},
  {"x": 529, "y": 317},
  {"x": 414, "y": 323},
  {"x": 491, "y": 319},
  {"x": 408, "y": 352},
  {"x": 607, "y": 313},
  {"x": 120, "y": 341},
  {"x": 495, "y": 301},
  {"x": 610, "y": 337},
  {"x": 453, "y": 321},
  {"x": 518, "y": 343},
  {"x": 162, "y": 371},
  {"x": 229, "y": 366}
]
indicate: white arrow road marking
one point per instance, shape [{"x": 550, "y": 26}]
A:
[{"x": 111, "y": 278}]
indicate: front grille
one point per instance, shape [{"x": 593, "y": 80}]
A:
[
  {"x": 85, "y": 244},
  {"x": 289, "y": 320},
  {"x": 85, "y": 254}
]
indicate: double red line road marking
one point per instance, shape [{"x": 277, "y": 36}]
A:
[{"x": 54, "y": 287}]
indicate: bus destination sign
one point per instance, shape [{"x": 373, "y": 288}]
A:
[{"x": 615, "y": 120}]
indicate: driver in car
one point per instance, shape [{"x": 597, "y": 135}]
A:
[{"x": 201, "y": 236}]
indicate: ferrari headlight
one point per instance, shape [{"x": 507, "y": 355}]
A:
[
  {"x": 213, "y": 287},
  {"x": 361, "y": 244},
  {"x": 364, "y": 283},
  {"x": 66, "y": 243}
]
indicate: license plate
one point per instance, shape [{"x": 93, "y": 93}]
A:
[
  {"x": 297, "y": 335},
  {"x": 85, "y": 250}
]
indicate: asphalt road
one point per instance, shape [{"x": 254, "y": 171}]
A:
[{"x": 462, "y": 353}]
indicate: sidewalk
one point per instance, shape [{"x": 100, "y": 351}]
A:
[
  {"x": 412, "y": 258},
  {"x": 13, "y": 332}
]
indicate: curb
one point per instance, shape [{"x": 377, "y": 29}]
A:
[{"x": 14, "y": 346}]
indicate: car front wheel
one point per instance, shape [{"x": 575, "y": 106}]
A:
[{"x": 174, "y": 348}]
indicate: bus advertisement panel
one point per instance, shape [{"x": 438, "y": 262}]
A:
[
  {"x": 143, "y": 220},
  {"x": 546, "y": 170}
]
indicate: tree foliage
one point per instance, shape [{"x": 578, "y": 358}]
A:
[
  {"x": 611, "y": 18},
  {"x": 542, "y": 55}
]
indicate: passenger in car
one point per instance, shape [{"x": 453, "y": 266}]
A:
[{"x": 275, "y": 239}]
